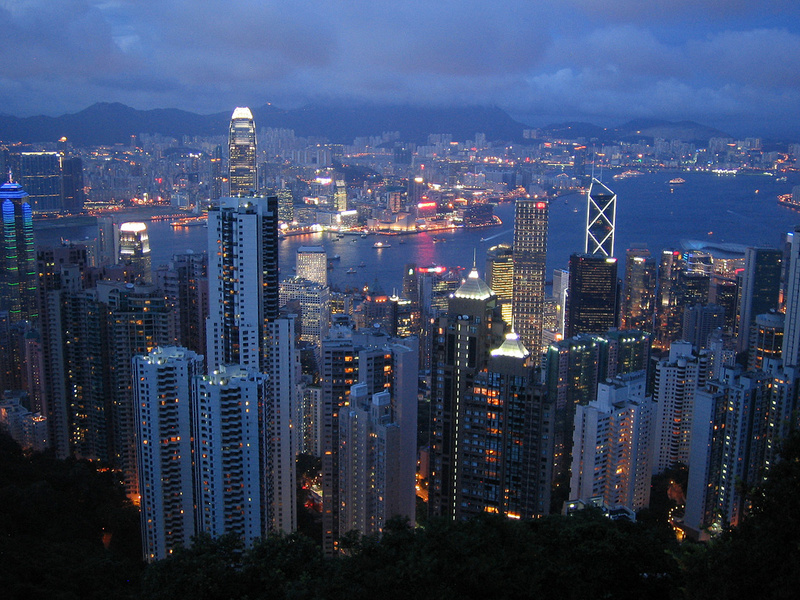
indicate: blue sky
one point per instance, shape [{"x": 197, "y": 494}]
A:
[{"x": 732, "y": 64}]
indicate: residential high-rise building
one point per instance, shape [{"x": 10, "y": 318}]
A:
[
  {"x": 593, "y": 302},
  {"x": 791, "y": 339},
  {"x": 729, "y": 450},
  {"x": 677, "y": 378},
  {"x": 245, "y": 329},
  {"x": 383, "y": 364},
  {"x": 165, "y": 418},
  {"x": 184, "y": 282},
  {"x": 638, "y": 306},
  {"x": 17, "y": 255},
  {"x": 369, "y": 444},
  {"x": 766, "y": 341},
  {"x": 500, "y": 277},
  {"x": 601, "y": 217},
  {"x": 312, "y": 264},
  {"x": 243, "y": 269},
  {"x": 760, "y": 292},
  {"x": 122, "y": 320},
  {"x": 232, "y": 471},
  {"x": 612, "y": 444},
  {"x": 530, "y": 258},
  {"x": 242, "y": 154},
  {"x": 62, "y": 322}
]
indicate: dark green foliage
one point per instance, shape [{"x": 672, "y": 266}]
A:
[
  {"x": 53, "y": 515},
  {"x": 761, "y": 557},
  {"x": 56, "y": 519}
]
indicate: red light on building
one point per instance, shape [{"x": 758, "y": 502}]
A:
[
  {"x": 541, "y": 205},
  {"x": 426, "y": 205}
]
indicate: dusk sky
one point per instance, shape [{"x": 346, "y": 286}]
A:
[{"x": 732, "y": 64}]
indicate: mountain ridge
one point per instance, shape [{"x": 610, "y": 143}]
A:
[{"x": 108, "y": 123}]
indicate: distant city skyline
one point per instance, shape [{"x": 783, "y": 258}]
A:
[{"x": 726, "y": 64}]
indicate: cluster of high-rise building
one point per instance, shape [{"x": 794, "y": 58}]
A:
[{"x": 202, "y": 380}]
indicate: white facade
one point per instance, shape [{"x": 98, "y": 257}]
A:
[
  {"x": 230, "y": 468},
  {"x": 612, "y": 445},
  {"x": 369, "y": 477},
  {"x": 312, "y": 264},
  {"x": 245, "y": 330},
  {"x": 677, "y": 379},
  {"x": 162, "y": 383},
  {"x": 791, "y": 336},
  {"x": 315, "y": 308}
]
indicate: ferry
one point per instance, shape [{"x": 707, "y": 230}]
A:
[
  {"x": 380, "y": 245},
  {"x": 677, "y": 181},
  {"x": 790, "y": 201},
  {"x": 351, "y": 271},
  {"x": 626, "y": 174}
]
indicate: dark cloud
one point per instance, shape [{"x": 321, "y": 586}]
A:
[{"x": 712, "y": 60}]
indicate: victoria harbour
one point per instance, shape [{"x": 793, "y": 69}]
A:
[{"x": 708, "y": 208}]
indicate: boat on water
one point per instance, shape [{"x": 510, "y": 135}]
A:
[
  {"x": 627, "y": 174},
  {"x": 790, "y": 201},
  {"x": 677, "y": 181},
  {"x": 336, "y": 257},
  {"x": 380, "y": 245},
  {"x": 363, "y": 264},
  {"x": 351, "y": 271}
]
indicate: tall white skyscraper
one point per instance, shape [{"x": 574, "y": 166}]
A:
[
  {"x": 791, "y": 336},
  {"x": 612, "y": 444},
  {"x": 163, "y": 382},
  {"x": 677, "y": 379},
  {"x": 245, "y": 329},
  {"x": 242, "y": 153},
  {"x": 232, "y": 471}
]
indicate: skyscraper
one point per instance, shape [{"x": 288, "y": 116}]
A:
[
  {"x": 593, "y": 302},
  {"x": 530, "y": 257},
  {"x": 245, "y": 329},
  {"x": 17, "y": 256},
  {"x": 640, "y": 289},
  {"x": 791, "y": 339},
  {"x": 382, "y": 364},
  {"x": 677, "y": 378},
  {"x": 612, "y": 444},
  {"x": 312, "y": 264},
  {"x": 500, "y": 277},
  {"x": 243, "y": 264},
  {"x": 165, "y": 439},
  {"x": 242, "y": 153},
  {"x": 601, "y": 218},
  {"x": 466, "y": 334},
  {"x": 134, "y": 250},
  {"x": 40, "y": 175},
  {"x": 760, "y": 293}
]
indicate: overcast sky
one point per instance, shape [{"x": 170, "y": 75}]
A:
[{"x": 733, "y": 64}]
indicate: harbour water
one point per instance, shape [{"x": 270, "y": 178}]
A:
[{"x": 740, "y": 209}]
